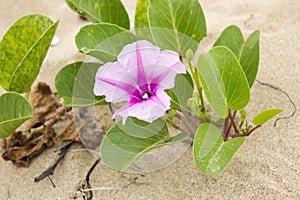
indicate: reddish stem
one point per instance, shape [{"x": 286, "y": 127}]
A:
[
  {"x": 245, "y": 134},
  {"x": 227, "y": 128}
]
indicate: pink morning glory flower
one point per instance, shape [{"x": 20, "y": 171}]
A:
[{"x": 139, "y": 76}]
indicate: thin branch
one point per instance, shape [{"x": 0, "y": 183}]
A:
[
  {"x": 51, "y": 181},
  {"x": 226, "y": 129},
  {"x": 245, "y": 134},
  {"x": 237, "y": 133},
  {"x": 287, "y": 95},
  {"x": 233, "y": 122},
  {"x": 227, "y": 125},
  {"x": 49, "y": 171},
  {"x": 234, "y": 114},
  {"x": 87, "y": 179}
]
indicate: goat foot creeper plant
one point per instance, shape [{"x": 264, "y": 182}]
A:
[
  {"x": 168, "y": 91},
  {"x": 160, "y": 80}
]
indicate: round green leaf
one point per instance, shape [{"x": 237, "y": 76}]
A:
[
  {"x": 22, "y": 51},
  {"x": 232, "y": 38},
  {"x": 265, "y": 116},
  {"x": 119, "y": 149},
  {"x": 234, "y": 79},
  {"x": 247, "y": 51},
  {"x": 103, "y": 41},
  {"x": 212, "y": 85},
  {"x": 211, "y": 154},
  {"x": 75, "y": 84},
  {"x": 110, "y": 11},
  {"x": 223, "y": 79},
  {"x": 15, "y": 110},
  {"x": 177, "y": 25},
  {"x": 249, "y": 58}
]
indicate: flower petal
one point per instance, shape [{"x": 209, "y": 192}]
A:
[
  {"x": 114, "y": 83},
  {"x": 147, "y": 110},
  {"x": 167, "y": 67},
  {"x": 135, "y": 56}
]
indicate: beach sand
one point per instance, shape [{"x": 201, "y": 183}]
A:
[{"x": 266, "y": 167}]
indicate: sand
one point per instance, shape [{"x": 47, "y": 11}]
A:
[{"x": 266, "y": 167}]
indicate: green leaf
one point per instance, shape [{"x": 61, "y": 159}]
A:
[
  {"x": 247, "y": 51},
  {"x": 141, "y": 16},
  {"x": 75, "y": 84},
  {"x": 142, "y": 129},
  {"x": 211, "y": 154},
  {"x": 265, "y": 116},
  {"x": 232, "y": 38},
  {"x": 223, "y": 80},
  {"x": 110, "y": 11},
  {"x": 22, "y": 51},
  {"x": 249, "y": 58},
  {"x": 177, "y": 138},
  {"x": 119, "y": 149},
  {"x": 15, "y": 110},
  {"x": 182, "y": 91},
  {"x": 212, "y": 85},
  {"x": 103, "y": 41},
  {"x": 141, "y": 23},
  {"x": 177, "y": 25}
]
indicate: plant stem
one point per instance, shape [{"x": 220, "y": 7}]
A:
[
  {"x": 226, "y": 129},
  {"x": 227, "y": 126},
  {"x": 233, "y": 122},
  {"x": 234, "y": 114},
  {"x": 198, "y": 86},
  {"x": 241, "y": 124},
  {"x": 246, "y": 134}
]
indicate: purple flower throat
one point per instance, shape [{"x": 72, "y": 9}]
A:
[{"x": 143, "y": 93}]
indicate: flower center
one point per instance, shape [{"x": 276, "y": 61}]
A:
[
  {"x": 143, "y": 93},
  {"x": 146, "y": 95}
]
